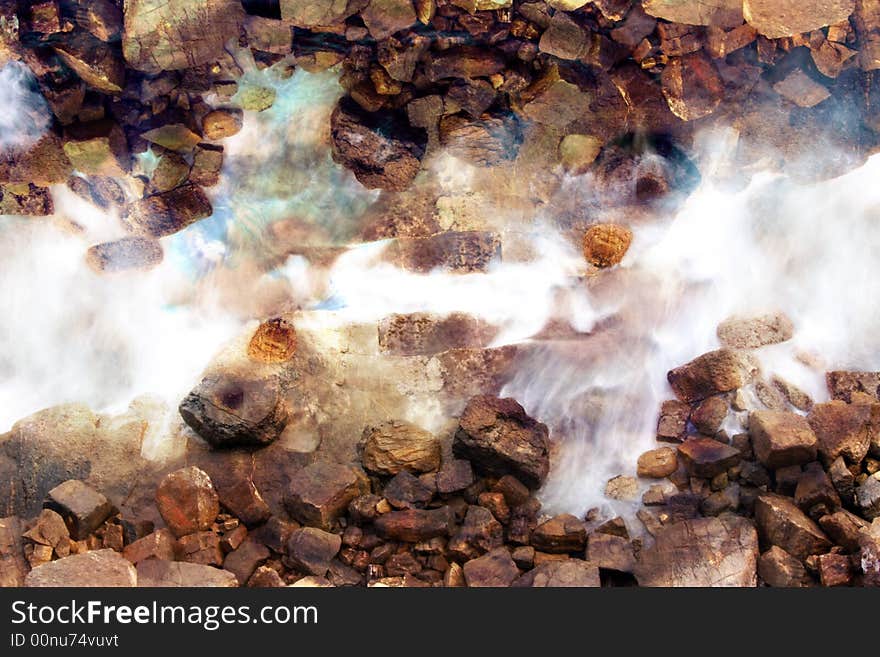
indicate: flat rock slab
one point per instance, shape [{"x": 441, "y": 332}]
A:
[
  {"x": 92, "y": 569},
  {"x": 781, "y": 523}
]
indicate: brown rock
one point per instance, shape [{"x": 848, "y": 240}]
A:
[
  {"x": 222, "y": 123},
  {"x": 869, "y": 541},
  {"x": 159, "y": 544},
  {"x": 835, "y": 570},
  {"x": 173, "y": 136},
  {"x": 780, "y": 438},
  {"x": 164, "y": 214},
  {"x": 610, "y": 552},
  {"x": 44, "y": 163},
  {"x": 414, "y": 525},
  {"x": 559, "y": 535},
  {"x": 801, "y": 89},
  {"x": 485, "y": 142},
  {"x": 265, "y": 577},
  {"x": 309, "y": 13},
  {"x": 321, "y": 491},
  {"x": 100, "y": 568},
  {"x": 622, "y": 487},
  {"x": 496, "y": 504},
  {"x": 784, "y": 18},
  {"x": 657, "y": 463},
  {"x": 187, "y": 501},
  {"x": 464, "y": 62},
  {"x": 815, "y": 492},
  {"x": 568, "y": 573},
  {"x": 97, "y": 148},
  {"x": 159, "y": 573},
  {"x": 405, "y": 491},
  {"x": 843, "y": 480},
  {"x": 425, "y": 333},
  {"x": 777, "y": 567},
  {"x": 793, "y": 395},
  {"x": 395, "y": 446},
  {"x": 454, "y": 475},
  {"x": 781, "y": 523},
  {"x": 310, "y": 550},
  {"x": 26, "y": 200},
  {"x": 717, "y": 13},
  {"x": 96, "y": 63},
  {"x": 706, "y": 457},
  {"x": 843, "y": 384},
  {"x": 480, "y": 533},
  {"x": 274, "y": 341},
  {"x": 385, "y": 17},
  {"x": 709, "y": 415},
  {"x": 691, "y": 86},
  {"x": 846, "y": 430},
  {"x": 125, "y": 254},
  {"x": 497, "y": 435},
  {"x": 515, "y": 493},
  {"x": 564, "y": 38},
  {"x": 101, "y": 18},
  {"x": 50, "y": 529},
  {"x": 495, "y": 569},
  {"x": 712, "y": 373},
  {"x": 239, "y": 494},
  {"x": 843, "y": 528},
  {"x": 458, "y": 251},
  {"x": 245, "y": 559},
  {"x": 13, "y": 567},
  {"x": 606, "y": 244},
  {"x": 207, "y": 164},
  {"x": 201, "y": 548},
  {"x": 83, "y": 508},
  {"x": 754, "y": 332},
  {"x": 672, "y": 423},
  {"x": 868, "y": 497}
]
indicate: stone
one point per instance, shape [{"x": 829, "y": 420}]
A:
[
  {"x": 419, "y": 334},
  {"x": 835, "y": 570},
  {"x": 96, "y": 63},
  {"x": 97, "y": 148},
  {"x": 610, "y": 552},
  {"x": 44, "y": 163},
  {"x": 754, "y": 332},
  {"x": 201, "y": 547},
  {"x": 793, "y": 395},
  {"x": 173, "y": 136},
  {"x": 310, "y": 550},
  {"x": 13, "y": 567},
  {"x": 163, "y": 36},
  {"x": 497, "y": 436},
  {"x": 843, "y": 528},
  {"x": 362, "y": 509},
  {"x": 691, "y": 86},
  {"x": 523, "y": 556},
  {"x": 49, "y": 529},
  {"x": 240, "y": 496},
  {"x": 207, "y": 164},
  {"x": 605, "y": 245},
  {"x": 701, "y": 552},
  {"x": 244, "y": 560},
  {"x": 672, "y": 422},
  {"x": 846, "y": 430},
  {"x": 845, "y": 384},
  {"x": 454, "y": 475},
  {"x": 167, "y": 213},
  {"x": 869, "y": 541},
  {"x": 125, "y": 254},
  {"x": 814, "y": 489},
  {"x": 781, "y": 523},
  {"x": 775, "y": 19},
  {"x": 706, "y": 457},
  {"x": 479, "y": 533},
  {"x": 406, "y": 491},
  {"x": 101, "y": 18},
  {"x": 494, "y": 569},
  {"x": 474, "y": 97},
  {"x": 801, "y": 89},
  {"x": 622, "y": 487},
  {"x": 320, "y": 492},
  {"x": 578, "y": 152},
  {"x": 274, "y": 341},
  {"x": 657, "y": 463},
  {"x": 488, "y": 141},
  {"x": 778, "y": 568},
  {"x": 868, "y": 497},
  {"x": 222, "y": 123},
  {"x": 569, "y": 573},
  {"x": 717, "y": 13},
  {"x": 26, "y": 200},
  {"x": 843, "y": 480},
  {"x": 711, "y": 374},
  {"x": 780, "y": 438},
  {"x": 187, "y": 501},
  {"x": 386, "y": 17},
  {"x": 564, "y": 38},
  {"x": 178, "y": 574},
  {"x": 83, "y": 508},
  {"x": 159, "y": 544},
  {"x": 457, "y": 251},
  {"x": 100, "y": 568},
  {"x": 464, "y": 62},
  {"x": 414, "y": 525},
  {"x": 726, "y": 499},
  {"x": 397, "y": 446},
  {"x": 227, "y": 410},
  {"x": 496, "y": 504},
  {"x": 308, "y": 13},
  {"x": 265, "y": 577},
  {"x": 515, "y": 493}
]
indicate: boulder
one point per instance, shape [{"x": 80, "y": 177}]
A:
[
  {"x": 310, "y": 550},
  {"x": 494, "y": 569},
  {"x": 414, "y": 525},
  {"x": 101, "y": 568},
  {"x": 606, "y": 244},
  {"x": 397, "y": 446},
  {"x": 754, "y": 332},
  {"x": 167, "y": 213},
  {"x": 320, "y": 492},
  {"x": 781, "y": 523},
  {"x": 775, "y": 19},
  {"x": 780, "y": 438},
  {"x": 187, "y": 501},
  {"x": 706, "y": 457},
  {"x": 657, "y": 463},
  {"x": 846, "y": 430},
  {"x": 712, "y": 373},
  {"x": 83, "y": 508},
  {"x": 568, "y": 573},
  {"x": 179, "y": 574},
  {"x": 497, "y": 436},
  {"x": 777, "y": 567}
]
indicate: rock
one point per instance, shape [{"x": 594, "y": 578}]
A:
[
  {"x": 458, "y": 251},
  {"x": 709, "y": 415},
  {"x": 51, "y": 530},
  {"x": 846, "y": 430},
  {"x": 495, "y": 569},
  {"x": 101, "y": 18},
  {"x": 187, "y": 501},
  {"x": 83, "y": 508},
  {"x": 405, "y": 491},
  {"x": 606, "y": 244},
  {"x": 843, "y": 480},
  {"x": 164, "y": 36},
  {"x": 780, "y": 438},
  {"x": 835, "y": 570},
  {"x": 454, "y": 475},
  {"x": 274, "y": 341},
  {"x": 777, "y": 567},
  {"x": 397, "y": 446},
  {"x": 207, "y": 164},
  {"x": 202, "y": 548},
  {"x": 164, "y": 214},
  {"x": 479, "y": 533},
  {"x": 125, "y": 254},
  {"x": 100, "y": 568},
  {"x": 868, "y": 497},
  {"x": 245, "y": 559},
  {"x": 672, "y": 422},
  {"x": 381, "y": 149},
  {"x": 706, "y": 457},
  {"x": 564, "y": 38},
  {"x": 701, "y": 552},
  {"x": 711, "y": 374},
  {"x": 869, "y": 541},
  {"x": 524, "y": 557},
  {"x": 610, "y": 552},
  {"x": 497, "y": 436},
  {"x": 515, "y": 493},
  {"x": 13, "y": 567},
  {"x": 801, "y": 89},
  {"x": 177, "y": 574},
  {"x": 815, "y": 491},
  {"x": 474, "y": 97},
  {"x": 793, "y": 395},
  {"x": 414, "y": 525},
  {"x": 726, "y": 499},
  {"x": 320, "y": 492},
  {"x": 488, "y": 141},
  {"x": 310, "y": 550},
  {"x": 785, "y": 18},
  {"x": 44, "y": 163},
  {"x": 265, "y": 577},
  {"x": 222, "y": 123},
  {"x": 717, "y": 13},
  {"x": 308, "y": 13},
  {"x": 691, "y": 86},
  {"x": 159, "y": 544},
  {"x": 658, "y": 463},
  {"x": 843, "y": 528},
  {"x": 843, "y": 384},
  {"x": 464, "y": 62},
  {"x": 173, "y": 136},
  {"x": 754, "y": 332},
  {"x": 578, "y": 152},
  {"x": 25, "y": 200},
  {"x": 622, "y": 488},
  {"x": 96, "y": 63},
  {"x": 385, "y": 17},
  {"x": 97, "y": 148},
  {"x": 420, "y": 334},
  {"x": 496, "y": 504},
  {"x": 781, "y": 523},
  {"x": 559, "y": 535},
  {"x": 241, "y": 497}
]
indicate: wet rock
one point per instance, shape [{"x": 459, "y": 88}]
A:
[
  {"x": 868, "y": 496},
  {"x": 274, "y": 341},
  {"x": 320, "y": 492},
  {"x": 397, "y": 446},
  {"x": 221, "y": 123},
  {"x": 125, "y": 254},
  {"x": 781, "y": 523},
  {"x": 801, "y": 89},
  {"x": 775, "y": 19},
  {"x": 559, "y": 535},
  {"x": 717, "y": 13},
  {"x": 164, "y": 36},
  {"x": 100, "y": 568},
  {"x": 780, "y": 438},
  {"x": 164, "y": 214},
  {"x": 711, "y": 374},
  {"x": 705, "y": 457},
  {"x": 96, "y": 63},
  {"x": 178, "y": 574},
  {"x": 83, "y": 508},
  {"x": 485, "y": 142},
  {"x": 777, "y": 567},
  {"x": 495, "y": 569},
  {"x": 672, "y": 422},
  {"x": 425, "y": 333},
  {"x": 310, "y": 550},
  {"x": 97, "y": 148},
  {"x": 159, "y": 544},
  {"x": 622, "y": 488},
  {"x": 691, "y": 86},
  {"x": 458, "y": 251},
  {"x": 381, "y": 149},
  {"x": 497, "y": 436},
  {"x": 701, "y": 552},
  {"x": 13, "y": 567},
  {"x": 405, "y": 491},
  {"x": 202, "y": 548},
  {"x": 605, "y": 245},
  {"x": 846, "y": 430},
  {"x": 754, "y": 332},
  {"x": 454, "y": 475},
  {"x": 308, "y": 13},
  {"x": 187, "y": 501},
  {"x": 610, "y": 552},
  {"x": 479, "y": 533},
  {"x": 414, "y": 525},
  {"x": 843, "y": 528}
]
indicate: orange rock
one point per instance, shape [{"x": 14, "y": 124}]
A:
[
  {"x": 606, "y": 244},
  {"x": 273, "y": 342}
]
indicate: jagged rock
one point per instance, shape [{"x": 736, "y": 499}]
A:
[
  {"x": 780, "y": 438},
  {"x": 228, "y": 411},
  {"x": 691, "y": 86},
  {"x": 845, "y": 384},
  {"x": 187, "y": 501},
  {"x": 754, "y": 332},
  {"x": 559, "y": 535},
  {"x": 414, "y": 525},
  {"x": 159, "y": 544},
  {"x": 454, "y": 475},
  {"x": 814, "y": 489},
  {"x": 515, "y": 493},
  {"x": 485, "y": 142},
  {"x": 706, "y": 457},
  {"x": 385, "y": 17},
  {"x": 578, "y": 152},
  {"x": 97, "y": 148},
  {"x": 479, "y": 533},
  {"x": 868, "y": 496},
  {"x": 125, "y": 254},
  {"x": 159, "y": 573},
  {"x": 418, "y": 334},
  {"x": 44, "y": 163},
  {"x": 83, "y": 508},
  {"x": 605, "y": 245},
  {"x": 494, "y": 569},
  {"x": 717, "y": 13},
  {"x": 781, "y": 523},
  {"x": 846, "y": 430},
  {"x": 843, "y": 480},
  {"x": 320, "y": 492},
  {"x": 835, "y": 570},
  {"x": 51, "y": 530},
  {"x": 564, "y": 38},
  {"x": 222, "y": 123},
  {"x": 711, "y": 374},
  {"x": 13, "y": 567},
  {"x": 672, "y": 422},
  {"x": 164, "y": 36},
  {"x": 265, "y": 577},
  {"x": 164, "y": 214},
  {"x": 784, "y": 18},
  {"x": 497, "y": 435},
  {"x": 395, "y": 446},
  {"x": 777, "y": 567},
  {"x": 201, "y": 547},
  {"x": 207, "y": 164},
  {"x": 622, "y": 487},
  {"x": 709, "y": 415},
  {"x": 406, "y": 491},
  {"x": 657, "y": 463},
  {"x": 101, "y": 568},
  {"x": 701, "y": 552},
  {"x": 801, "y": 89},
  {"x": 95, "y": 62},
  {"x": 843, "y": 528},
  {"x": 310, "y": 550}
]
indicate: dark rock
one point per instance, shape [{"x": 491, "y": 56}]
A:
[
  {"x": 201, "y": 548},
  {"x": 83, "y": 508},
  {"x": 245, "y": 559},
  {"x": 610, "y": 552},
  {"x": 710, "y": 374},
  {"x": 705, "y": 457},
  {"x": 485, "y": 142},
  {"x": 187, "y": 501},
  {"x": 101, "y": 568},
  {"x": 846, "y": 430},
  {"x": 98, "y": 64},
  {"x": 465, "y": 62},
  {"x": 454, "y": 475},
  {"x": 414, "y": 525},
  {"x": 310, "y": 550},
  {"x": 405, "y": 491},
  {"x": 843, "y": 384},
  {"x": 274, "y": 534},
  {"x": 777, "y": 567},
  {"x": 265, "y": 577},
  {"x": 395, "y": 446},
  {"x": 178, "y": 574},
  {"x": 780, "y": 438},
  {"x": 480, "y": 533},
  {"x": 868, "y": 496},
  {"x": 362, "y": 509},
  {"x": 559, "y": 535},
  {"x": 843, "y": 480},
  {"x": 672, "y": 423},
  {"x": 241, "y": 497},
  {"x": 494, "y": 569},
  {"x": 101, "y": 18},
  {"x": 814, "y": 489},
  {"x": 13, "y": 567},
  {"x": 709, "y": 414},
  {"x": 515, "y": 493},
  {"x": 835, "y": 570},
  {"x": 320, "y": 492},
  {"x": 843, "y": 528},
  {"x": 781, "y": 523}
]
